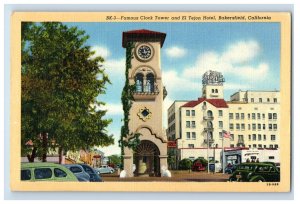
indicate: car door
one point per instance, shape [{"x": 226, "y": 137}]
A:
[{"x": 43, "y": 174}]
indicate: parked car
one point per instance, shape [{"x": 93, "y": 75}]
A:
[
  {"x": 94, "y": 176},
  {"x": 46, "y": 172},
  {"x": 79, "y": 172},
  {"x": 197, "y": 166},
  {"x": 105, "y": 169},
  {"x": 256, "y": 172},
  {"x": 230, "y": 169}
]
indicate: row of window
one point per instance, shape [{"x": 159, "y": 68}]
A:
[
  {"x": 260, "y": 100},
  {"x": 253, "y": 116},
  {"x": 252, "y": 137},
  {"x": 191, "y": 135},
  {"x": 192, "y": 146},
  {"x": 192, "y": 124},
  {"x": 171, "y": 118},
  {"x": 254, "y": 126}
]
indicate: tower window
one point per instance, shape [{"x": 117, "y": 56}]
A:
[
  {"x": 216, "y": 90},
  {"x": 139, "y": 82},
  {"x": 150, "y": 83}
]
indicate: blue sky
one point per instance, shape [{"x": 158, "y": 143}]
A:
[{"x": 248, "y": 55}]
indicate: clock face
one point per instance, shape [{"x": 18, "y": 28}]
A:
[{"x": 144, "y": 52}]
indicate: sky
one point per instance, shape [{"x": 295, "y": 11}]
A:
[{"x": 247, "y": 54}]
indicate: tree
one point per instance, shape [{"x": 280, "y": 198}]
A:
[
  {"x": 114, "y": 159},
  {"x": 185, "y": 164},
  {"x": 60, "y": 82}
]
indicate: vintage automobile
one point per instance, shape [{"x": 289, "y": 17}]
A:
[
  {"x": 46, "y": 172},
  {"x": 79, "y": 172},
  {"x": 256, "y": 172},
  {"x": 197, "y": 166},
  {"x": 94, "y": 176},
  {"x": 105, "y": 169}
]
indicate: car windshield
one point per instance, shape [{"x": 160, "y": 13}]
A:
[{"x": 246, "y": 167}]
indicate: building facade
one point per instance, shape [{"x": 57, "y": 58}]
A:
[
  {"x": 250, "y": 117},
  {"x": 145, "y": 116}
]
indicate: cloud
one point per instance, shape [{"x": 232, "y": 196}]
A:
[
  {"x": 176, "y": 52},
  {"x": 101, "y": 51},
  {"x": 112, "y": 108},
  {"x": 115, "y": 66},
  {"x": 239, "y": 59}
]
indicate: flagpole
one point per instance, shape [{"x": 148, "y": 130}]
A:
[{"x": 223, "y": 156}]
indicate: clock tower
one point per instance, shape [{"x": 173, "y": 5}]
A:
[{"x": 145, "y": 116}]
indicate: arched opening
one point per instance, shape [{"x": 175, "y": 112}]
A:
[
  {"x": 216, "y": 91},
  {"x": 209, "y": 113},
  {"x": 139, "y": 82},
  {"x": 213, "y": 91},
  {"x": 150, "y": 82},
  {"x": 146, "y": 159},
  {"x": 209, "y": 124}
]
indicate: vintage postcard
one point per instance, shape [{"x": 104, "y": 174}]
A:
[{"x": 151, "y": 101}]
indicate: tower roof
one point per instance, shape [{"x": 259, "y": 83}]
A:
[
  {"x": 143, "y": 35},
  {"x": 218, "y": 103}
]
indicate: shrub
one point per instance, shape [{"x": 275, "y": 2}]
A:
[{"x": 185, "y": 164}]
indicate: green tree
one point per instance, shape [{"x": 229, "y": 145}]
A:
[
  {"x": 185, "y": 164},
  {"x": 115, "y": 159},
  {"x": 61, "y": 80}
]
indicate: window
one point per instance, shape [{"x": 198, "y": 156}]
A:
[
  {"x": 270, "y": 116},
  {"x": 188, "y": 124},
  {"x": 191, "y": 146},
  {"x": 249, "y": 146},
  {"x": 220, "y": 124},
  {"x": 268, "y": 99},
  {"x": 242, "y": 116},
  {"x": 231, "y": 137},
  {"x": 260, "y": 100},
  {"x": 232, "y": 145},
  {"x": 25, "y": 175},
  {"x": 253, "y": 126},
  {"x": 213, "y": 91},
  {"x": 139, "y": 82},
  {"x": 193, "y": 135},
  {"x": 254, "y": 146},
  {"x": 220, "y": 113},
  {"x": 258, "y": 116},
  {"x": 248, "y": 116},
  {"x": 270, "y": 126},
  {"x": 193, "y": 112},
  {"x": 259, "y": 126},
  {"x": 252, "y": 100},
  {"x": 237, "y": 116},
  {"x": 249, "y": 137},
  {"x": 263, "y": 116},
  {"x": 271, "y": 157},
  {"x": 243, "y": 126},
  {"x": 249, "y": 127},
  {"x": 188, "y": 135},
  {"x": 264, "y": 126},
  {"x": 59, "y": 173},
  {"x": 274, "y": 126},
  {"x": 275, "y": 116},
  {"x": 75, "y": 169},
  {"x": 265, "y": 146},
  {"x": 253, "y": 116},
  {"x": 275, "y": 100},
  {"x": 193, "y": 124},
  {"x": 42, "y": 173},
  {"x": 237, "y": 126},
  {"x": 265, "y": 137},
  {"x": 273, "y": 137},
  {"x": 271, "y": 146},
  {"x": 254, "y": 137},
  {"x": 150, "y": 83},
  {"x": 276, "y": 146},
  {"x": 187, "y": 112},
  {"x": 231, "y": 126},
  {"x": 259, "y": 137},
  {"x": 216, "y": 90},
  {"x": 259, "y": 146},
  {"x": 230, "y": 115},
  {"x": 220, "y": 135}
]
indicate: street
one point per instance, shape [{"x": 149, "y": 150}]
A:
[{"x": 177, "y": 176}]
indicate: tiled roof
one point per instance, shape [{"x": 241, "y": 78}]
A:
[
  {"x": 219, "y": 103},
  {"x": 143, "y": 35}
]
